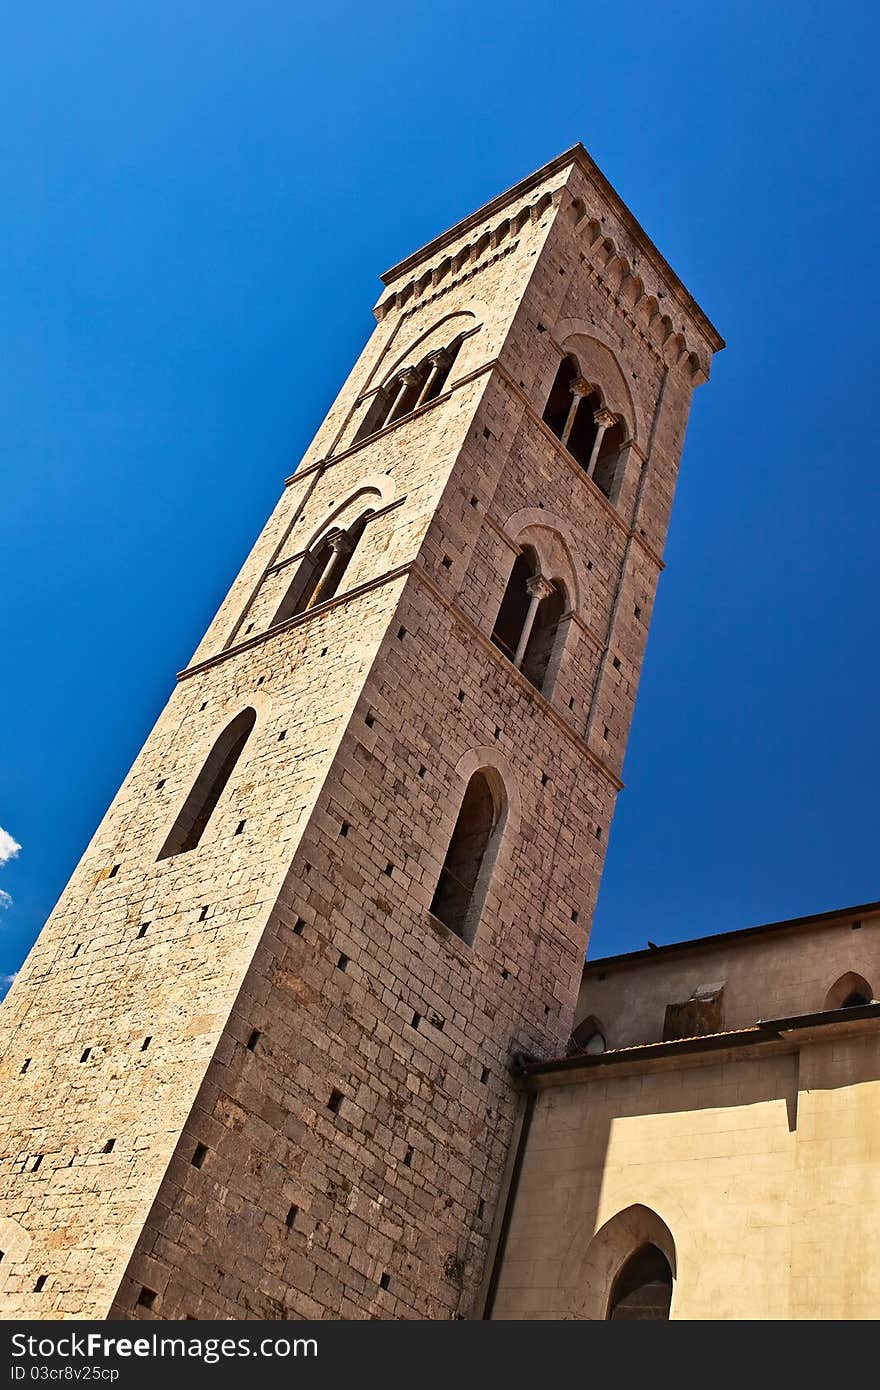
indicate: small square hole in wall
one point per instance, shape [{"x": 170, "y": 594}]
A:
[
  {"x": 474, "y": 502},
  {"x": 260, "y": 680},
  {"x": 204, "y": 912},
  {"x": 146, "y": 1043},
  {"x": 291, "y": 1217},
  {"x": 200, "y": 1153},
  {"x": 408, "y": 1156},
  {"x": 505, "y": 974},
  {"x": 147, "y": 1298},
  {"x": 76, "y": 950},
  {"x": 249, "y": 628},
  {"x": 605, "y": 732},
  {"x": 460, "y": 696},
  {"x": 343, "y": 963},
  {"x": 416, "y": 1020},
  {"x": 24, "y": 1066},
  {"x": 344, "y": 829},
  {"x": 203, "y": 705},
  {"x": 253, "y": 1040},
  {"x": 598, "y": 832},
  {"x": 142, "y": 930},
  {"x": 369, "y": 719},
  {"x": 385, "y": 1280},
  {"x": 437, "y": 1021},
  {"x": 422, "y": 770},
  {"x": 109, "y": 1146},
  {"x": 546, "y": 1009},
  {"x": 484, "y": 1076},
  {"x": 389, "y": 869},
  {"x": 41, "y": 1283},
  {"x": 616, "y": 663},
  {"x": 401, "y": 633},
  {"x": 114, "y": 871},
  {"x": 334, "y": 1104},
  {"x": 481, "y": 1209},
  {"x": 571, "y": 703},
  {"x": 637, "y": 610},
  {"x": 36, "y": 1163},
  {"x": 298, "y": 927},
  {"x": 574, "y": 914},
  {"x": 239, "y": 829},
  {"x": 487, "y": 433},
  {"x": 855, "y": 926},
  {"x": 87, "y": 1052},
  {"x": 160, "y": 784},
  {"x": 282, "y": 736},
  {"x": 446, "y": 562},
  {"x": 2, "y": 1256},
  {"x": 589, "y": 564},
  {"x": 544, "y": 779},
  {"x": 497, "y": 731},
  {"x": 323, "y": 651}
]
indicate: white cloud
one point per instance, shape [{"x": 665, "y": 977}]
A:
[
  {"x": 7, "y": 979},
  {"x": 8, "y": 847},
  {"x": 5, "y": 900}
]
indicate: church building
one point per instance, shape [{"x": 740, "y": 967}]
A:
[{"x": 309, "y": 1033}]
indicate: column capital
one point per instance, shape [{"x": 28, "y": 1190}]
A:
[
  {"x": 409, "y": 376},
  {"x": 539, "y": 587},
  {"x": 604, "y": 418},
  {"x": 581, "y": 387},
  {"x": 341, "y": 543}
]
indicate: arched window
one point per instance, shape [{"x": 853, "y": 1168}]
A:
[
  {"x": 642, "y": 1290},
  {"x": 207, "y": 789},
  {"x": 467, "y": 868},
  {"x": 528, "y": 619},
  {"x": 851, "y": 991},
  {"x": 577, "y": 416},
  {"x": 408, "y": 389},
  {"x": 320, "y": 571},
  {"x": 589, "y": 1037}
]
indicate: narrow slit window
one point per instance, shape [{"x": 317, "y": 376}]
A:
[
  {"x": 467, "y": 868},
  {"x": 193, "y": 817}
]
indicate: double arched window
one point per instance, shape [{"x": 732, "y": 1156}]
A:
[
  {"x": 408, "y": 389},
  {"x": 464, "y": 879},
  {"x": 321, "y": 569},
  {"x": 196, "y": 811},
  {"x": 577, "y": 415},
  {"x": 527, "y": 625}
]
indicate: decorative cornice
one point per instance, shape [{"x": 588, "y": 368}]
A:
[{"x": 609, "y": 262}]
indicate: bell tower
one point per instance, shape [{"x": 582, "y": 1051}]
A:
[{"x": 259, "y": 1061}]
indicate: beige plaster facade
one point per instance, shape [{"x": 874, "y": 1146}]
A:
[{"x": 748, "y": 1156}]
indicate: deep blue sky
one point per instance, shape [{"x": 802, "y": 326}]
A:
[{"x": 198, "y": 201}]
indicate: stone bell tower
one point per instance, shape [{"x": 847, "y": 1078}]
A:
[{"x": 258, "y": 1063}]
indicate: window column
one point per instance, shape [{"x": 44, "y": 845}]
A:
[
  {"x": 604, "y": 420},
  {"x": 409, "y": 378},
  {"x": 538, "y": 588},
  {"x": 579, "y": 389},
  {"x": 437, "y": 363},
  {"x": 341, "y": 548}
]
